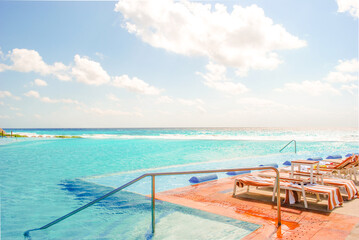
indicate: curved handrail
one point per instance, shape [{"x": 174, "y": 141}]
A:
[
  {"x": 27, "y": 233},
  {"x": 295, "y": 146}
]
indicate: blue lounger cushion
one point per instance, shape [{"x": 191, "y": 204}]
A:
[
  {"x": 287, "y": 163},
  {"x": 238, "y": 172},
  {"x": 315, "y": 158},
  {"x": 203, "y": 178},
  {"x": 269, "y": 165},
  {"x": 334, "y": 157}
]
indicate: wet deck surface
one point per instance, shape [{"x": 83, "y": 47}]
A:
[{"x": 257, "y": 207}]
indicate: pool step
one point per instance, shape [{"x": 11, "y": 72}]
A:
[{"x": 127, "y": 215}]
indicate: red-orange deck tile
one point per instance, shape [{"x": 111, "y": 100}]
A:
[{"x": 216, "y": 197}]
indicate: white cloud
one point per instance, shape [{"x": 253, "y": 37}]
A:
[
  {"x": 351, "y": 88},
  {"x": 346, "y": 71},
  {"x": 351, "y": 6},
  {"x": 197, "y": 103},
  {"x": 3, "y": 67},
  {"x": 253, "y": 106},
  {"x": 25, "y": 60},
  {"x": 340, "y": 77},
  {"x": 243, "y": 38},
  {"x": 4, "y": 117},
  {"x": 14, "y": 108},
  {"x": 35, "y": 94},
  {"x": 100, "y": 55},
  {"x": 32, "y": 93},
  {"x": 19, "y": 114},
  {"x": 62, "y": 100},
  {"x": 113, "y": 97},
  {"x": 189, "y": 102},
  {"x": 164, "y": 99},
  {"x": 108, "y": 112},
  {"x": 348, "y": 65},
  {"x": 135, "y": 85},
  {"x": 38, "y": 116},
  {"x": 255, "y": 103},
  {"x": 40, "y": 82},
  {"x": 314, "y": 88},
  {"x": 84, "y": 70},
  {"x": 89, "y": 72},
  {"x": 216, "y": 78},
  {"x": 2, "y": 56},
  {"x": 100, "y": 111},
  {"x": 4, "y": 94}
]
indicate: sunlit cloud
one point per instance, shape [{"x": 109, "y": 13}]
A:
[
  {"x": 346, "y": 71},
  {"x": 24, "y": 60},
  {"x": 243, "y": 38},
  {"x": 113, "y": 97},
  {"x": 4, "y": 94},
  {"x": 32, "y": 93},
  {"x": 259, "y": 103},
  {"x": 135, "y": 85},
  {"x": 14, "y": 108},
  {"x": 84, "y": 70},
  {"x": 7, "y": 94},
  {"x": 215, "y": 78},
  {"x": 35, "y": 94},
  {"x": 351, "y": 88},
  {"x": 4, "y": 117},
  {"x": 108, "y": 112},
  {"x": 313, "y": 88},
  {"x": 100, "y": 55},
  {"x": 197, "y": 103},
  {"x": 164, "y": 99},
  {"x": 89, "y": 72},
  {"x": 351, "y": 6},
  {"x": 40, "y": 82}
]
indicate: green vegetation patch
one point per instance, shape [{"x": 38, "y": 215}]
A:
[
  {"x": 14, "y": 135},
  {"x": 62, "y": 136}
]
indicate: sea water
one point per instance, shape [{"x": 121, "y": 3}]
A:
[{"x": 39, "y": 175}]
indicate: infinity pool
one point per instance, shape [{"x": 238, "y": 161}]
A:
[{"x": 45, "y": 178}]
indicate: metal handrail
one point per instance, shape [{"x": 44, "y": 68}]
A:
[
  {"x": 295, "y": 146},
  {"x": 153, "y": 192}
]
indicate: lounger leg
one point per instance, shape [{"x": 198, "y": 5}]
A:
[
  {"x": 248, "y": 188},
  {"x": 318, "y": 197},
  {"x": 274, "y": 192},
  {"x": 305, "y": 199},
  {"x": 234, "y": 188}
]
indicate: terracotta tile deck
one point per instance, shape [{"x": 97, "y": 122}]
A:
[{"x": 256, "y": 207}]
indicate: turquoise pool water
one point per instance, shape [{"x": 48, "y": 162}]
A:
[{"x": 36, "y": 172}]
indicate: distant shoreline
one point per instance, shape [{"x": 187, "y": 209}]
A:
[
  {"x": 194, "y": 128},
  {"x": 37, "y": 136}
]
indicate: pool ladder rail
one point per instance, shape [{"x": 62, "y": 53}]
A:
[
  {"x": 295, "y": 146},
  {"x": 153, "y": 193}
]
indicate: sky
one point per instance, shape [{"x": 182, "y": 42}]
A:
[{"x": 165, "y": 63}]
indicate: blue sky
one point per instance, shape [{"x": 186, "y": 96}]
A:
[{"x": 167, "y": 63}]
